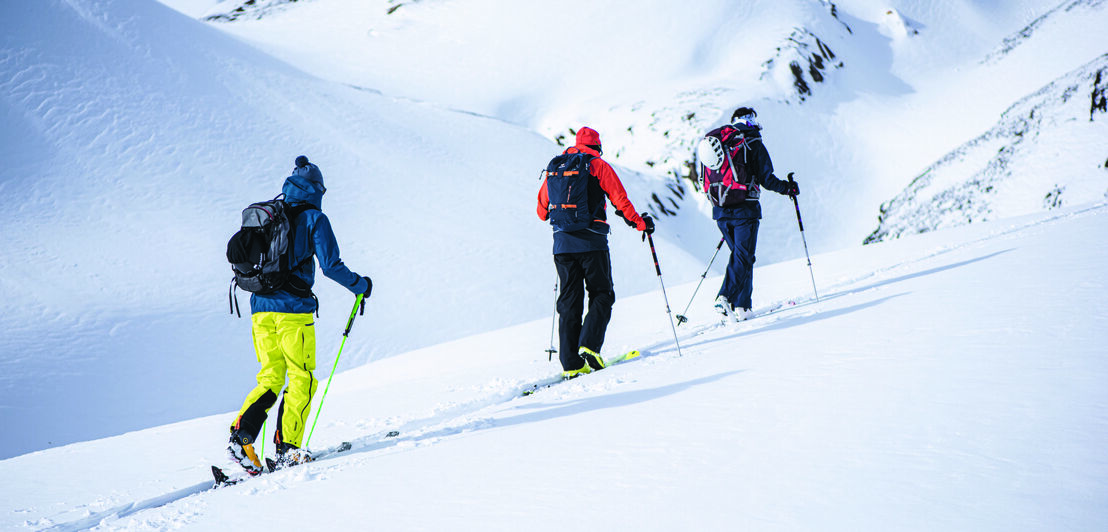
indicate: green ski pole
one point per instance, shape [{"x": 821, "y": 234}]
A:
[{"x": 358, "y": 303}]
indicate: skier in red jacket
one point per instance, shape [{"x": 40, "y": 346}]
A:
[{"x": 572, "y": 200}]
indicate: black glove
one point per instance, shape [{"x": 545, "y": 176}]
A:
[
  {"x": 791, "y": 188},
  {"x": 368, "y": 288},
  {"x": 625, "y": 220},
  {"x": 649, "y": 230}
]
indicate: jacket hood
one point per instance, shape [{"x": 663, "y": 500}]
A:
[
  {"x": 587, "y": 136},
  {"x": 305, "y": 185}
]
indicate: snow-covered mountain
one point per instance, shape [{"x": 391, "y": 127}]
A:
[
  {"x": 134, "y": 134},
  {"x": 920, "y": 390},
  {"x": 1047, "y": 151}
]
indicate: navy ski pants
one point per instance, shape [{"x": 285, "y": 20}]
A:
[
  {"x": 741, "y": 235},
  {"x": 578, "y": 273}
]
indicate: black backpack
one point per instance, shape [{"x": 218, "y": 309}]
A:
[
  {"x": 259, "y": 251},
  {"x": 567, "y": 188}
]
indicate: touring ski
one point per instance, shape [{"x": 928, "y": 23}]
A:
[
  {"x": 630, "y": 355},
  {"x": 223, "y": 479}
]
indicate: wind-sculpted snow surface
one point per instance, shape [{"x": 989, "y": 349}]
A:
[{"x": 1046, "y": 152}]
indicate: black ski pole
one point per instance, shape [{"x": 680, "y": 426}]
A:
[
  {"x": 668, "y": 312},
  {"x": 553, "y": 319},
  {"x": 800, "y": 222},
  {"x": 681, "y": 317}
]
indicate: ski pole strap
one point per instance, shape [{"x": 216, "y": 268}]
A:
[{"x": 353, "y": 313}]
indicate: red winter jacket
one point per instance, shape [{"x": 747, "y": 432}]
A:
[{"x": 602, "y": 171}]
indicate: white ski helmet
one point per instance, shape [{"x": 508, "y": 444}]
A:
[{"x": 710, "y": 152}]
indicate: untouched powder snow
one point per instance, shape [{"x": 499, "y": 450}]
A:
[{"x": 941, "y": 383}]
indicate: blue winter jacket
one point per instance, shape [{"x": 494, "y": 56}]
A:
[{"x": 311, "y": 235}]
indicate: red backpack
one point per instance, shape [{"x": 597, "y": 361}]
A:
[{"x": 726, "y": 176}]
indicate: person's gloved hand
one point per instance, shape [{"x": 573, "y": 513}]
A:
[
  {"x": 368, "y": 288},
  {"x": 625, "y": 220},
  {"x": 792, "y": 189},
  {"x": 649, "y": 221}
]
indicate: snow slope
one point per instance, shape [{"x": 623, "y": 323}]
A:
[
  {"x": 920, "y": 393},
  {"x": 134, "y": 135},
  {"x": 133, "y": 138}
]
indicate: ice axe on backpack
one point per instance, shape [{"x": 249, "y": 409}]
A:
[{"x": 800, "y": 222}]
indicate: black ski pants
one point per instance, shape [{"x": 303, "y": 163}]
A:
[{"x": 578, "y": 273}]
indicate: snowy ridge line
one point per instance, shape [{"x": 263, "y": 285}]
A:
[
  {"x": 987, "y": 177},
  {"x": 1018, "y": 38}
]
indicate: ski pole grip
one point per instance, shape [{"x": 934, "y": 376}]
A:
[{"x": 358, "y": 301}]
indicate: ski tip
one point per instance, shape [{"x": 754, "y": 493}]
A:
[{"x": 627, "y": 356}]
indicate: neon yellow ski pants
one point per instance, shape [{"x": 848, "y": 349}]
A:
[{"x": 284, "y": 343}]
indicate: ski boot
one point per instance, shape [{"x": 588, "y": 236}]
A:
[
  {"x": 592, "y": 358},
  {"x": 574, "y": 373},
  {"x": 291, "y": 455},
  {"x": 241, "y": 448}
]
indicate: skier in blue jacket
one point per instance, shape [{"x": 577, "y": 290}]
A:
[
  {"x": 742, "y": 140},
  {"x": 284, "y": 329}
]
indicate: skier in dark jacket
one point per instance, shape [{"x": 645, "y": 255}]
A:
[
  {"x": 284, "y": 330},
  {"x": 582, "y": 259},
  {"x": 739, "y": 223}
]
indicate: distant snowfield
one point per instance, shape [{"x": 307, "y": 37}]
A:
[{"x": 941, "y": 383}]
